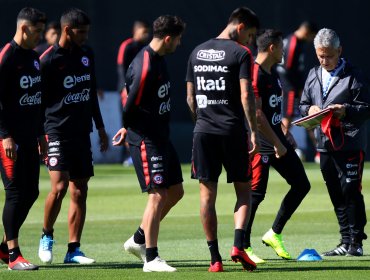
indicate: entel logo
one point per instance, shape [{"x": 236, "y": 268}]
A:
[
  {"x": 28, "y": 81},
  {"x": 210, "y": 55},
  {"x": 275, "y": 100},
  {"x": 164, "y": 90},
  {"x": 71, "y": 81}
]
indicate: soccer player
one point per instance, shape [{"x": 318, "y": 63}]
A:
[
  {"x": 277, "y": 145},
  {"x": 71, "y": 104},
  {"x": 342, "y": 137},
  {"x": 126, "y": 53},
  {"x": 21, "y": 131},
  {"x": 146, "y": 124},
  {"x": 220, "y": 97},
  {"x": 129, "y": 48},
  {"x": 52, "y": 34},
  {"x": 292, "y": 71}
]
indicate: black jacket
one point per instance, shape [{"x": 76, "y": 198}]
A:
[{"x": 347, "y": 88}]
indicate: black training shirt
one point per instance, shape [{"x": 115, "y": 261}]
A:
[
  {"x": 69, "y": 87},
  {"x": 20, "y": 94},
  {"x": 216, "y": 67}
]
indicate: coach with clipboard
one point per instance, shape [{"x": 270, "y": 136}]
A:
[{"x": 341, "y": 136}]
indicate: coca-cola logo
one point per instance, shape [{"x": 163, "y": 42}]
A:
[
  {"x": 77, "y": 97},
  {"x": 165, "y": 107},
  {"x": 30, "y": 99},
  {"x": 276, "y": 119}
]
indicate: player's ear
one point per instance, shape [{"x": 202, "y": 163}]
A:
[
  {"x": 240, "y": 27},
  {"x": 340, "y": 50},
  {"x": 167, "y": 39}
]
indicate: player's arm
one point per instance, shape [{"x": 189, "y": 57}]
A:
[
  {"x": 190, "y": 98},
  {"x": 121, "y": 72},
  {"x": 249, "y": 107},
  {"x": 9, "y": 145},
  {"x": 359, "y": 108},
  {"x": 135, "y": 83},
  {"x": 96, "y": 113},
  {"x": 190, "y": 91},
  {"x": 265, "y": 129}
]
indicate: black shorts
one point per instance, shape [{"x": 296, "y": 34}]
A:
[
  {"x": 71, "y": 155},
  {"x": 211, "y": 151},
  {"x": 156, "y": 164},
  {"x": 24, "y": 172}
]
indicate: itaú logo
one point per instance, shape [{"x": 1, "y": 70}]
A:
[
  {"x": 71, "y": 81},
  {"x": 210, "y": 55},
  {"x": 77, "y": 97},
  {"x": 30, "y": 99},
  {"x": 210, "y": 85}
]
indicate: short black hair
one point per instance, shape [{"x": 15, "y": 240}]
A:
[
  {"x": 267, "y": 37},
  {"x": 53, "y": 25},
  {"x": 141, "y": 23},
  {"x": 32, "y": 15},
  {"x": 310, "y": 25},
  {"x": 246, "y": 16},
  {"x": 168, "y": 25},
  {"x": 74, "y": 18}
]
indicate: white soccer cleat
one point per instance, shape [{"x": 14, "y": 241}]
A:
[
  {"x": 158, "y": 265},
  {"x": 138, "y": 250},
  {"x": 46, "y": 249}
]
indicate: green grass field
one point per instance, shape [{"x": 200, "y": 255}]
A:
[{"x": 115, "y": 206}]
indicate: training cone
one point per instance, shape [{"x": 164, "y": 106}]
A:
[{"x": 309, "y": 255}]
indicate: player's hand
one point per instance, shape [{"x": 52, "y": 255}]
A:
[
  {"x": 10, "y": 148},
  {"x": 103, "y": 139},
  {"x": 255, "y": 144},
  {"x": 313, "y": 110},
  {"x": 339, "y": 111},
  {"x": 43, "y": 147},
  {"x": 119, "y": 138},
  {"x": 280, "y": 150},
  {"x": 290, "y": 139}
]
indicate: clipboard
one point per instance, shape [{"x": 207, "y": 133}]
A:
[{"x": 313, "y": 120}]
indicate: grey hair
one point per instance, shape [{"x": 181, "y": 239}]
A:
[{"x": 326, "y": 38}]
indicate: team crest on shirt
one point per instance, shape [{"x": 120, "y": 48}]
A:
[
  {"x": 53, "y": 161},
  {"x": 36, "y": 64},
  {"x": 85, "y": 61},
  {"x": 158, "y": 179},
  {"x": 265, "y": 159}
]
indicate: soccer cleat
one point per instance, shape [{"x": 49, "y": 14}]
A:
[
  {"x": 242, "y": 257},
  {"x": 22, "y": 264},
  {"x": 355, "y": 250},
  {"x": 46, "y": 249},
  {"x": 216, "y": 267},
  {"x": 157, "y": 265},
  {"x": 253, "y": 256},
  {"x": 77, "y": 257},
  {"x": 137, "y": 250},
  {"x": 340, "y": 250},
  {"x": 275, "y": 241},
  {"x": 4, "y": 257}
]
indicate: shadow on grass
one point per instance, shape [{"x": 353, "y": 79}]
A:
[
  {"x": 104, "y": 265},
  {"x": 272, "y": 265}
]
